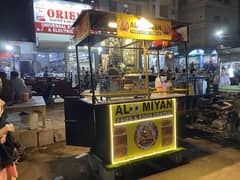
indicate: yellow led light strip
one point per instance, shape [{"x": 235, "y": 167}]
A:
[
  {"x": 111, "y": 133},
  {"x": 145, "y": 120},
  {"x": 175, "y": 123},
  {"x": 142, "y": 156}
]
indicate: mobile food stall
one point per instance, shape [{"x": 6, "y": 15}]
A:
[{"x": 118, "y": 116}]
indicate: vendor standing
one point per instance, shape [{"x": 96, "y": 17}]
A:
[{"x": 224, "y": 78}]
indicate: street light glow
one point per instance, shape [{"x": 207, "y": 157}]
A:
[
  {"x": 9, "y": 47},
  {"x": 219, "y": 33}
]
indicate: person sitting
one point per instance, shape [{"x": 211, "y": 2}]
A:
[
  {"x": 6, "y": 90},
  {"x": 18, "y": 86}
]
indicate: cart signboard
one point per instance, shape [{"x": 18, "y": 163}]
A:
[
  {"x": 135, "y": 27},
  {"x": 142, "y": 129},
  {"x": 81, "y": 30}
]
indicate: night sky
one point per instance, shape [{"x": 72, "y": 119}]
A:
[{"x": 16, "y": 20}]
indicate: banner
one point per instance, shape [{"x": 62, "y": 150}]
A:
[
  {"x": 136, "y": 27},
  {"x": 142, "y": 129},
  {"x": 56, "y": 17},
  {"x": 180, "y": 34}
]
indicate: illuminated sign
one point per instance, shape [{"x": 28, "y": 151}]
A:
[
  {"x": 56, "y": 17},
  {"x": 136, "y": 27},
  {"x": 141, "y": 129}
]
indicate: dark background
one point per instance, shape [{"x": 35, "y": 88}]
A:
[{"x": 16, "y": 19}]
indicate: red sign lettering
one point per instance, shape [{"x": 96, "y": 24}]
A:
[
  {"x": 62, "y": 14},
  {"x": 59, "y": 14},
  {"x": 72, "y": 15},
  {"x": 50, "y": 13}
]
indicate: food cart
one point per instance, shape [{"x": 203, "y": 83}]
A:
[{"x": 118, "y": 116}]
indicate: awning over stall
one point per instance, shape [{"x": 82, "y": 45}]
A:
[{"x": 97, "y": 25}]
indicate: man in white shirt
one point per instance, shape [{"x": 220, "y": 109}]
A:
[{"x": 224, "y": 78}]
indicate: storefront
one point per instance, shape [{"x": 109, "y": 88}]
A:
[
  {"x": 229, "y": 70},
  {"x": 118, "y": 116},
  {"x": 52, "y": 22},
  {"x": 16, "y": 56},
  {"x": 199, "y": 60}
]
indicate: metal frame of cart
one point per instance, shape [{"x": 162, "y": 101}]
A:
[{"x": 128, "y": 126}]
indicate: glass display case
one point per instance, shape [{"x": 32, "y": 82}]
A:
[{"x": 119, "y": 69}]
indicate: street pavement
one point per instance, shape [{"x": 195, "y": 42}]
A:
[
  {"x": 208, "y": 160},
  {"x": 58, "y": 161}
]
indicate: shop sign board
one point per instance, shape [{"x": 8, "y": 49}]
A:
[
  {"x": 6, "y": 55},
  {"x": 136, "y": 27},
  {"x": 142, "y": 129},
  {"x": 56, "y": 17},
  {"x": 180, "y": 34}
]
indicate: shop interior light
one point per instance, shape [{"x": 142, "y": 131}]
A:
[
  {"x": 219, "y": 33},
  {"x": 9, "y": 47},
  {"x": 112, "y": 24},
  {"x": 70, "y": 47},
  {"x": 144, "y": 24},
  {"x": 231, "y": 72},
  {"x": 99, "y": 50}
]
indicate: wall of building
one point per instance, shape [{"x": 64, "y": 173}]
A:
[
  {"x": 206, "y": 18},
  {"x": 152, "y": 8},
  {"x": 163, "y": 8}
]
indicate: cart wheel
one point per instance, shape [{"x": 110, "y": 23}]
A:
[
  {"x": 178, "y": 159},
  {"x": 119, "y": 175},
  {"x": 93, "y": 166}
]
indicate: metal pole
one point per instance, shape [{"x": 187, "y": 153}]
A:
[
  {"x": 91, "y": 72},
  {"x": 186, "y": 62},
  {"x": 146, "y": 68},
  {"x": 78, "y": 70},
  {"x": 158, "y": 63}
]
